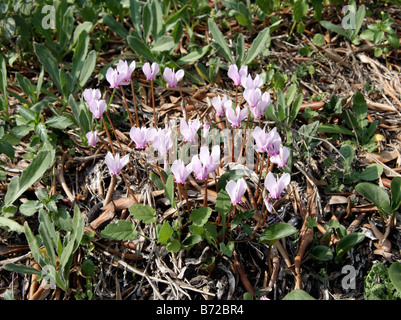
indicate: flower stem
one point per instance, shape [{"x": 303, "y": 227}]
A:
[
  {"x": 232, "y": 145},
  {"x": 186, "y": 198},
  {"x": 205, "y": 197},
  {"x": 153, "y": 103},
  {"x": 109, "y": 137},
  {"x": 129, "y": 189},
  {"x": 260, "y": 175},
  {"x": 134, "y": 99},
  {"x": 126, "y": 107},
  {"x": 244, "y": 138}
]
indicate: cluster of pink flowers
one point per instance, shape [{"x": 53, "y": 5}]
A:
[{"x": 208, "y": 160}]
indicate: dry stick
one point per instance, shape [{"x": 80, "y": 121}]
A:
[
  {"x": 118, "y": 141},
  {"x": 129, "y": 189},
  {"x": 126, "y": 107},
  {"x": 109, "y": 137},
  {"x": 186, "y": 198},
  {"x": 110, "y": 191}
]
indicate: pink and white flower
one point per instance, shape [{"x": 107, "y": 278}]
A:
[
  {"x": 180, "y": 171},
  {"x": 276, "y": 186},
  {"x": 237, "y": 116},
  {"x": 162, "y": 141},
  {"x": 150, "y": 71},
  {"x": 124, "y": 69},
  {"x": 91, "y": 95},
  {"x": 172, "y": 77},
  {"x": 114, "y": 163},
  {"x": 218, "y": 104},
  {"x": 205, "y": 163},
  {"x": 98, "y": 107},
  {"x": 141, "y": 136},
  {"x": 251, "y": 83},
  {"x": 281, "y": 158},
  {"x": 189, "y": 130},
  {"x": 236, "y": 75},
  {"x": 92, "y": 137},
  {"x": 236, "y": 190}
]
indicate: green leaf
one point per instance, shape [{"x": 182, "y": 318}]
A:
[
  {"x": 359, "y": 106},
  {"x": 174, "y": 246},
  {"x": 136, "y": 18},
  {"x": 88, "y": 268},
  {"x": 376, "y": 195},
  {"x": 394, "y": 273},
  {"x": 21, "y": 268},
  {"x": 298, "y": 294},
  {"x": 371, "y": 172},
  {"x": 332, "y": 27},
  {"x": 257, "y": 46},
  {"x": 220, "y": 40},
  {"x": 59, "y": 122},
  {"x": 144, "y": 213},
  {"x": 348, "y": 242},
  {"x": 193, "y": 56},
  {"x": 192, "y": 240},
  {"x": 175, "y": 18},
  {"x": 115, "y": 26},
  {"x": 229, "y": 175},
  {"x": 395, "y": 193},
  {"x": 322, "y": 253},
  {"x": 11, "y": 225},
  {"x": 6, "y": 148},
  {"x": 169, "y": 190},
  {"x": 87, "y": 68},
  {"x": 141, "y": 48},
  {"x": 33, "y": 243},
  {"x": 300, "y": 9},
  {"x": 227, "y": 249},
  {"x": 165, "y": 233},
  {"x": 35, "y": 170},
  {"x": 223, "y": 202},
  {"x": 122, "y": 230},
  {"x": 157, "y": 19},
  {"x": 318, "y": 39},
  {"x": 29, "y": 207},
  {"x": 296, "y": 106},
  {"x": 349, "y": 155},
  {"x": 276, "y": 232},
  {"x": 164, "y": 43},
  {"x": 334, "y": 128},
  {"x": 49, "y": 62},
  {"x": 200, "y": 216}
]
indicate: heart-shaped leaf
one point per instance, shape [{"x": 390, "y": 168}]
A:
[{"x": 276, "y": 232}]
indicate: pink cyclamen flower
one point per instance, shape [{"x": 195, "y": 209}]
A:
[
  {"x": 97, "y": 107},
  {"x": 150, "y": 71},
  {"x": 91, "y": 95},
  {"x": 180, "y": 171},
  {"x": 261, "y": 140},
  {"x": 236, "y": 190},
  {"x": 172, "y": 77},
  {"x": 218, "y": 104},
  {"x": 281, "y": 158},
  {"x": 206, "y": 129},
  {"x": 251, "y": 83},
  {"x": 141, "y": 136},
  {"x": 259, "y": 110},
  {"x": 92, "y": 138},
  {"x": 269, "y": 207},
  {"x": 189, "y": 130},
  {"x": 162, "y": 141},
  {"x": 236, "y": 75},
  {"x": 276, "y": 186},
  {"x": 124, "y": 69},
  {"x": 205, "y": 162},
  {"x": 274, "y": 142},
  {"x": 114, "y": 78},
  {"x": 114, "y": 163},
  {"x": 235, "y": 117},
  {"x": 252, "y": 96}
]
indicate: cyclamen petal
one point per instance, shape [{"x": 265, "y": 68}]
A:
[
  {"x": 218, "y": 104},
  {"x": 281, "y": 158},
  {"x": 150, "y": 71},
  {"x": 91, "y": 95},
  {"x": 252, "y": 96},
  {"x": 276, "y": 186},
  {"x": 141, "y": 136},
  {"x": 248, "y": 83},
  {"x": 92, "y": 138},
  {"x": 172, "y": 77},
  {"x": 236, "y": 190},
  {"x": 114, "y": 163},
  {"x": 162, "y": 141},
  {"x": 180, "y": 171},
  {"x": 237, "y": 116},
  {"x": 97, "y": 107},
  {"x": 236, "y": 75},
  {"x": 190, "y": 130},
  {"x": 205, "y": 163},
  {"x": 124, "y": 69}
]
